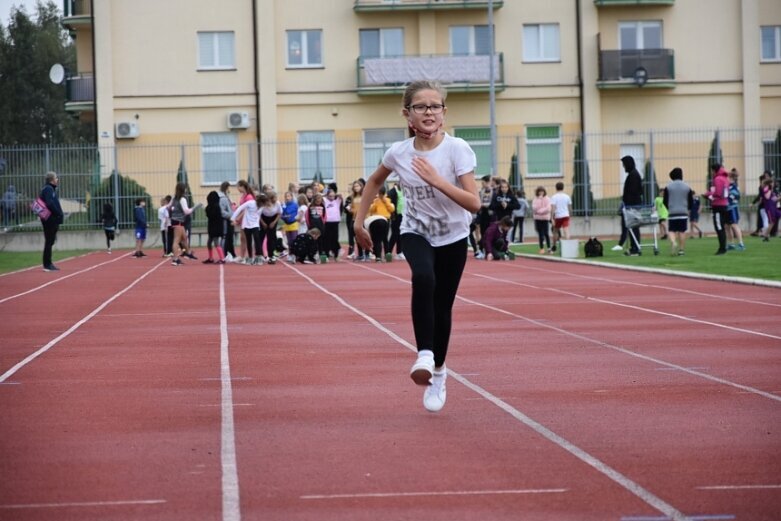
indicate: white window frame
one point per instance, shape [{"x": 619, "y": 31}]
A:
[
  {"x": 216, "y": 51},
  {"x": 471, "y": 36},
  {"x": 545, "y": 55},
  {"x": 776, "y": 29},
  {"x": 381, "y": 32},
  {"x": 305, "y": 35},
  {"x": 543, "y": 141},
  {"x": 638, "y": 26},
  {"x": 329, "y": 146},
  {"x": 371, "y": 147},
  {"x": 219, "y": 149}
]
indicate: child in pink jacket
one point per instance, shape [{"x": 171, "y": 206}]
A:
[{"x": 541, "y": 209}]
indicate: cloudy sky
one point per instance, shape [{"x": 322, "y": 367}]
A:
[{"x": 29, "y": 5}]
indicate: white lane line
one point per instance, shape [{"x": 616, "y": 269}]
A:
[
  {"x": 59, "y": 279},
  {"x": 630, "y": 353},
  {"x": 230, "y": 477},
  {"x": 543, "y": 431},
  {"x": 84, "y": 504},
  {"x": 656, "y": 286},
  {"x": 740, "y": 487},
  {"x": 445, "y": 493},
  {"x": 630, "y": 306},
  {"x": 74, "y": 327},
  {"x": 543, "y": 324}
]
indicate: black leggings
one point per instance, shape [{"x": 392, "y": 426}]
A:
[
  {"x": 543, "y": 235},
  {"x": 249, "y": 235},
  {"x": 436, "y": 273}
]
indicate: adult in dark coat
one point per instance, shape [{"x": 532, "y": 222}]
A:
[
  {"x": 52, "y": 224},
  {"x": 632, "y": 196}
]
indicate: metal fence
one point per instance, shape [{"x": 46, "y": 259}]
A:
[{"x": 589, "y": 165}]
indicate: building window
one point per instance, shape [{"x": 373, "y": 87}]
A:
[
  {"x": 216, "y": 50},
  {"x": 543, "y": 151},
  {"x": 771, "y": 43},
  {"x": 479, "y": 138},
  {"x": 316, "y": 156},
  {"x": 469, "y": 40},
  {"x": 640, "y": 35},
  {"x": 375, "y": 143},
  {"x": 541, "y": 43},
  {"x": 305, "y": 49},
  {"x": 382, "y": 43},
  {"x": 219, "y": 158}
]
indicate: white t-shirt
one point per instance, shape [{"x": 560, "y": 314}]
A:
[
  {"x": 162, "y": 216},
  {"x": 427, "y": 211},
  {"x": 562, "y": 202}
]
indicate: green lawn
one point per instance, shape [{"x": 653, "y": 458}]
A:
[
  {"x": 12, "y": 261},
  {"x": 761, "y": 260}
]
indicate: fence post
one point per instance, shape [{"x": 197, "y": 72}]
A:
[{"x": 115, "y": 173}]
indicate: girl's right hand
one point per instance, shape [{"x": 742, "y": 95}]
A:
[{"x": 362, "y": 237}]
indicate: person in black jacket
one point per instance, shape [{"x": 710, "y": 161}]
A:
[
  {"x": 52, "y": 224},
  {"x": 504, "y": 201},
  {"x": 632, "y": 196}
]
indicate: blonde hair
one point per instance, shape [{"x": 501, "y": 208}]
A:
[{"x": 417, "y": 86}]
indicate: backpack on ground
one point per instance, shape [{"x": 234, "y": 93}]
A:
[{"x": 593, "y": 248}]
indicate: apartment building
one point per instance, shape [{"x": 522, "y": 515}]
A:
[{"x": 286, "y": 90}]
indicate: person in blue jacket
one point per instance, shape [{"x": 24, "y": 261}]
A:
[{"x": 52, "y": 224}]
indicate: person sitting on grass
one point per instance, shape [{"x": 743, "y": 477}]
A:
[
  {"x": 304, "y": 249},
  {"x": 495, "y": 240}
]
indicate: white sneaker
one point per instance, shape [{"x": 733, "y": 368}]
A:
[
  {"x": 617, "y": 248},
  {"x": 228, "y": 258},
  {"x": 435, "y": 394},
  {"x": 423, "y": 368},
  {"x": 401, "y": 256}
]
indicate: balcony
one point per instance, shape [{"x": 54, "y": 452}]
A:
[
  {"x": 421, "y": 5},
  {"x": 649, "y": 68},
  {"x": 76, "y": 13},
  {"x": 79, "y": 93},
  {"x": 456, "y": 73},
  {"x": 608, "y": 3}
]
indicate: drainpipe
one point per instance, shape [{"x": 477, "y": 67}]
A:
[
  {"x": 94, "y": 70},
  {"x": 584, "y": 150},
  {"x": 257, "y": 88}
]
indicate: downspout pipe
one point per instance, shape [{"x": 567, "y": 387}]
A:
[
  {"x": 94, "y": 70},
  {"x": 257, "y": 89}
]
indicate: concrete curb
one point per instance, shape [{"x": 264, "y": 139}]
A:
[{"x": 688, "y": 274}]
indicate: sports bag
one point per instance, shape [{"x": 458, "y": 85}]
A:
[
  {"x": 593, "y": 248},
  {"x": 39, "y": 208}
]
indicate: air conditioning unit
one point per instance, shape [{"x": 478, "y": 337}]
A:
[
  {"x": 238, "y": 120},
  {"x": 126, "y": 130}
]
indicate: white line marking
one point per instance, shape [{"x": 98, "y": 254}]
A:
[
  {"x": 85, "y": 504},
  {"x": 740, "y": 487},
  {"x": 630, "y": 353},
  {"x": 446, "y": 493},
  {"x": 230, "y": 477},
  {"x": 74, "y": 327},
  {"x": 656, "y": 286},
  {"x": 630, "y": 306},
  {"x": 59, "y": 279},
  {"x": 543, "y": 431},
  {"x": 543, "y": 324}
]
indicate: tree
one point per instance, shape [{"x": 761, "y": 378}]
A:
[
  {"x": 32, "y": 108},
  {"x": 715, "y": 157},
  {"x": 515, "y": 179},
  {"x": 650, "y": 186},
  {"x": 582, "y": 197},
  {"x": 773, "y": 161}
]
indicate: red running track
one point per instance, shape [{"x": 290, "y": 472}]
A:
[{"x": 130, "y": 389}]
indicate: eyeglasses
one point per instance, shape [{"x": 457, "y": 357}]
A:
[{"x": 421, "y": 109}]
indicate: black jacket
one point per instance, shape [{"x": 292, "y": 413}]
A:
[
  {"x": 52, "y": 200},
  {"x": 633, "y": 189}
]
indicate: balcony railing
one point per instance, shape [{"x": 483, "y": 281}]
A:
[
  {"x": 636, "y": 67},
  {"x": 456, "y": 73},
  {"x": 599, "y": 3},
  {"x": 76, "y": 12},
  {"x": 80, "y": 93},
  {"x": 420, "y": 5}
]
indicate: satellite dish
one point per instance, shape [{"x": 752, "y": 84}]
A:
[{"x": 57, "y": 74}]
